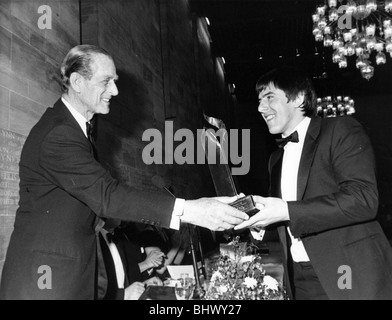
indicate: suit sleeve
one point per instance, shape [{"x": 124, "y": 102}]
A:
[
  {"x": 69, "y": 164},
  {"x": 353, "y": 177},
  {"x": 120, "y": 294}
]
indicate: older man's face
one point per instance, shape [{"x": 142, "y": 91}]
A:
[{"x": 96, "y": 93}]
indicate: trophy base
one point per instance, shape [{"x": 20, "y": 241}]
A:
[{"x": 245, "y": 204}]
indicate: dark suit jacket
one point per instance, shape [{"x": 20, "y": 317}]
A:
[
  {"x": 63, "y": 191},
  {"x": 336, "y": 209},
  {"x": 130, "y": 257},
  {"x": 112, "y": 290}
]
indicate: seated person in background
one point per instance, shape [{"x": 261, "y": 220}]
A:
[
  {"x": 154, "y": 258},
  {"x": 124, "y": 273},
  {"x": 172, "y": 243}
]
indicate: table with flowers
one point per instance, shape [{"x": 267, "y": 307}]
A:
[{"x": 238, "y": 274}]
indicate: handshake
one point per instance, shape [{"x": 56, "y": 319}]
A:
[
  {"x": 224, "y": 213},
  {"x": 245, "y": 204}
]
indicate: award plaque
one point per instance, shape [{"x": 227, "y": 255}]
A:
[{"x": 217, "y": 160}]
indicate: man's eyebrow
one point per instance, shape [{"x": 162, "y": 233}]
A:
[
  {"x": 115, "y": 78},
  {"x": 266, "y": 94}
]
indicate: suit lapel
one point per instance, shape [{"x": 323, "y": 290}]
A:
[
  {"x": 62, "y": 111},
  {"x": 275, "y": 173},
  {"x": 121, "y": 250},
  {"x": 275, "y": 190},
  {"x": 308, "y": 152},
  {"x": 104, "y": 268}
]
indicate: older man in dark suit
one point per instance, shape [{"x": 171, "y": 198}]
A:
[
  {"x": 325, "y": 197},
  {"x": 64, "y": 193}
]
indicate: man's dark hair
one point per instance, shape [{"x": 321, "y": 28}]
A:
[
  {"x": 79, "y": 59},
  {"x": 292, "y": 81}
]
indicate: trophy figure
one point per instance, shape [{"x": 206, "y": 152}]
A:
[{"x": 218, "y": 165}]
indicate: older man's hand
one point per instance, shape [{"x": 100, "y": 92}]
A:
[{"x": 213, "y": 213}]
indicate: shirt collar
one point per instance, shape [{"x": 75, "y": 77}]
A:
[
  {"x": 80, "y": 119},
  {"x": 302, "y": 128}
]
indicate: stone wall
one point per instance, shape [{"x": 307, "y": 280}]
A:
[{"x": 29, "y": 83}]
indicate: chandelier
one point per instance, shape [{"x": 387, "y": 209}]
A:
[
  {"x": 362, "y": 28},
  {"x": 335, "y": 106}
]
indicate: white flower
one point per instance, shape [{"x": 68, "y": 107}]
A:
[
  {"x": 216, "y": 276},
  {"x": 223, "y": 289},
  {"x": 247, "y": 259},
  {"x": 250, "y": 282},
  {"x": 271, "y": 283}
]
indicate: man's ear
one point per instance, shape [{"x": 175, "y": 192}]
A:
[
  {"x": 300, "y": 100},
  {"x": 75, "y": 81}
]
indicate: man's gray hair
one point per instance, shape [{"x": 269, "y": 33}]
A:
[{"x": 79, "y": 59}]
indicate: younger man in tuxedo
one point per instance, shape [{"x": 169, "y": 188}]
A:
[{"x": 324, "y": 196}]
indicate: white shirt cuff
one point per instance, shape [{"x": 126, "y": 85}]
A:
[{"x": 177, "y": 213}]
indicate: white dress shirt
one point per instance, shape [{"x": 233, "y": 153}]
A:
[
  {"x": 80, "y": 119},
  {"x": 289, "y": 180},
  {"x": 179, "y": 203},
  {"x": 120, "y": 274}
]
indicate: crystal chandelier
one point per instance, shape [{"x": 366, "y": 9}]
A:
[
  {"x": 335, "y": 106},
  {"x": 362, "y": 28}
]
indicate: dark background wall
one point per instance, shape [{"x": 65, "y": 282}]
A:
[{"x": 374, "y": 112}]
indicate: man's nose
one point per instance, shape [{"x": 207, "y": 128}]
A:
[
  {"x": 113, "y": 89},
  {"x": 263, "y": 107}
]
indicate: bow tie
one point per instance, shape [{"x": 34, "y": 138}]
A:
[{"x": 291, "y": 138}]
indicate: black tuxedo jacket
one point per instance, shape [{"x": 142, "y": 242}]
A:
[
  {"x": 64, "y": 192},
  {"x": 336, "y": 209},
  {"x": 130, "y": 257}
]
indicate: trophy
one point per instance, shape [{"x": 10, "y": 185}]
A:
[{"x": 214, "y": 150}]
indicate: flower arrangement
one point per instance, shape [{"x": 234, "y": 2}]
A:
[{"x": 242, "y": 278}]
